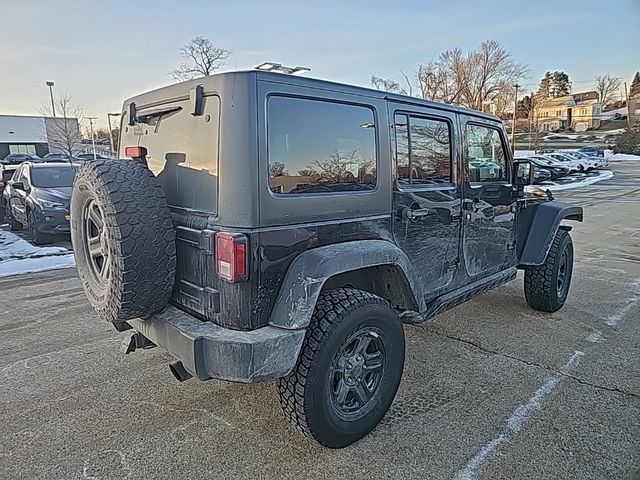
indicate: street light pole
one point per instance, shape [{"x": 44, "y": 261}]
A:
[
  {"x": 513, "y": 123},
  {"x": 113, "y": 147},
  {"x": 93, "y": 137},
  {"x": 53, "y": 105}
]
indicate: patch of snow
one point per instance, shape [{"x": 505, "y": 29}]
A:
[
  {"x": 612, "y": 113},
  {"x": 38, "y": 264},
  {"x": 622, "y": 157},
  {"x": 17, "y": 256},
  {"x": 523, "y": 153},
  {"x": 603, "y": 175}
]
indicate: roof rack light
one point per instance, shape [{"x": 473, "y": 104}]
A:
[{"x": 278, "y": 67}]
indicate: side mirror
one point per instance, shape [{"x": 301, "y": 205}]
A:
[
  {"x": 18, "y": 185},
  {"x": 522, "y": 173}
]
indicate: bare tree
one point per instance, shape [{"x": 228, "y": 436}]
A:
[
  {"x": 387, "y": 84},
  {"x": 63, "y": 130},
  {"x": 202, "y": 59},
  {"x": 607, "y": 87},
  {"x": 277, "y": 169},
  {"x": 472, "y": 78}
]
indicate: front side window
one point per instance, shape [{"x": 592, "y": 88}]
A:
[
  {"x": 320, "y": 147},
  {"x": 486, "y": 157},
  {"x": 423, "y": 150}
]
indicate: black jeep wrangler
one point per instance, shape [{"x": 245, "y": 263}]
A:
[{"x": 262, "y": 225}]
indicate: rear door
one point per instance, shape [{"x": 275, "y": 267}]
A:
[
  {"x": 489, "y": 206},
  {"x": 426, "y": 196}
]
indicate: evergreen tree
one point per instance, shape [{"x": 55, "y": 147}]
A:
[
  {"x": 635, "y": 85},
  {"x": 554, "y": 84},
  {"x": 523, "y": 107}
]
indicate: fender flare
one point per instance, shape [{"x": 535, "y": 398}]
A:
[
  {"x": 310, "y": 270},
  {"x": 544, "y": 220}
]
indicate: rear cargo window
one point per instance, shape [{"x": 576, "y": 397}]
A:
[
  {"x": 182, "y": 153},
  {"x": 320, "y": 147}
]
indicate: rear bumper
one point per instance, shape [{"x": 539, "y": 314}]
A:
[{"x": 209, "y": 351}]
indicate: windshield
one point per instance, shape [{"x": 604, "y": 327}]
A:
[
  {"x": 52, "y": 177},
  {"x": 7, "y": 174},
  {"x": 562, "y": 158}
]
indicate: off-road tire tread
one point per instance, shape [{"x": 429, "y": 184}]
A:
[
  {"x": 331, "y": 308},
  {"x": 538, "y": 279},
  {"x": 140, "y": 228}
]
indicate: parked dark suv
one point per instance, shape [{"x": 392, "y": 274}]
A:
[
  {"x": 261, "y": 225},
  {"x": 18, "y": 158},
  {"x": 37, "y": 197}
]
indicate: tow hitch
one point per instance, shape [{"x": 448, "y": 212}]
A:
[{"x": 133, "y": 341}]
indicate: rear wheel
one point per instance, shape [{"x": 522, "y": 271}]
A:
[
  {"x": 546, "y": 286},
  {"x": 348, "y": 370}
]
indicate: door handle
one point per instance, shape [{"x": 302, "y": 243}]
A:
[{"x": 415, "y": 215}]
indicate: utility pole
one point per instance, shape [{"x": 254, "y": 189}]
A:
[
  {"x": 513, "y": 124},
  {"x": 626, "y": 95},
  {"x": 93, "y": 137},
  {"x": 109, "y": 115},
  {"x": 531, "y": 110},
  {"x": 53, "y": 104}
]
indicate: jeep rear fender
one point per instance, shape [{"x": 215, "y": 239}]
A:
[
  {"x": 537, "y": 227},
  {"x": 310, "y": 270}
]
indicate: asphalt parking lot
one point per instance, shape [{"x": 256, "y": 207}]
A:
[{"x": 491, "y": 389}]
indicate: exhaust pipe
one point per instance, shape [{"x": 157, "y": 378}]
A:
[{"x": 179, "y": 371}]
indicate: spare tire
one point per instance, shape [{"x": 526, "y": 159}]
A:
[{"x": 123, "y": 239}]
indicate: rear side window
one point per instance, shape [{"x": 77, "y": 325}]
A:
[
  {"x": 320, "y": 147},
  {"x": 182, "y": 152},
  {"x": 423, "y": 150},
  {"x": 486, "y": 157}
]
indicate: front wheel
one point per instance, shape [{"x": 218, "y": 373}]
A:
[
  {"x": 38, "y": 237},
  {"x": 348, "y": 370},
  {"x": 14, "y": 225},
  {"x": 546, "y": 286}
]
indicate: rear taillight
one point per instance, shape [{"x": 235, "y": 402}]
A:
[
  {"x": 231, "y": 256},
  {"x": 135, "y": 152}
]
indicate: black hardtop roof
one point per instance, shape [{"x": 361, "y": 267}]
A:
[{"x": 180, "y": 90}]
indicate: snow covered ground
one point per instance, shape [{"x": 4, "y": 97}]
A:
[{"x": 18, "y": 256}]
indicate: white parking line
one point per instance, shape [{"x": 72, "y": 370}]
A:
[
  {"x": 517, "y": 420},
  {"x": 613, "y": 319}
]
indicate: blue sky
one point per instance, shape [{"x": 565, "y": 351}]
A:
[{"x": 103, "y": 52}]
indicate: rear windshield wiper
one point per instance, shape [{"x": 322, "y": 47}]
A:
[{"x": 149, "y": 115}]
